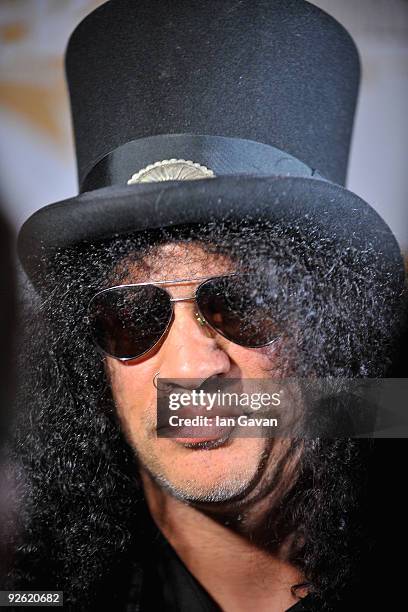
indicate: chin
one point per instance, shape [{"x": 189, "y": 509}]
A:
[{"x": 203, "y": 472}]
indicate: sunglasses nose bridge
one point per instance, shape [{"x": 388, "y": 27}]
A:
[
  {"x": 200, "y": 319},
  {"x": 183, "y": 299}
]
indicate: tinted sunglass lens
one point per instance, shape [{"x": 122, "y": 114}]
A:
[
  {"x": 126, "y": 322},
  {"x": 238, "y": 309}
]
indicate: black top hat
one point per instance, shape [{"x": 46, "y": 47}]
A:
[{"x": 255, "y": 98}]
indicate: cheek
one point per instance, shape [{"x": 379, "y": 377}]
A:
[
  {"x": 256, "y": 363},
  {"x": 130, "y": 385}
]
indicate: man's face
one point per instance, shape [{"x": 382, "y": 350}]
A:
[{"x": 188, "y": 351}]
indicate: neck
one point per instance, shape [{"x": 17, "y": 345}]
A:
[{"x": 237, "y": 574}]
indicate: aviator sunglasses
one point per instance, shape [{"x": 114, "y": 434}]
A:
[{"x": 128, "y": 321}]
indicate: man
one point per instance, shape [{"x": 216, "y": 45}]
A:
[{"x": 204, "y": 246}]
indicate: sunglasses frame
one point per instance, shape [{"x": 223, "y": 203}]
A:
[{"x": 172, "y": 300}]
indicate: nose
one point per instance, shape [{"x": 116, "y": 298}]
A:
[{"x": 191, "y": 350}]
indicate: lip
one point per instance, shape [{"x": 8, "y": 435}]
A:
[
  {"x": 192, "y": 435},
  {"x": 204, "y": 443}
]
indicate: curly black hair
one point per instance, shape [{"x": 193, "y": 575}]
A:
[{"x": 80, "y": 493}]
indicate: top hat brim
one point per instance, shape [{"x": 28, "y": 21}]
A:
[{"x": 322, "y": 209}]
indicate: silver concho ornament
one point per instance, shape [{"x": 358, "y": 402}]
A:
[{"x": 171, "y": 170}]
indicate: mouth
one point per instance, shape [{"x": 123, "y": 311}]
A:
[
  {"x": 204, "y": 443},
  {"x": 196, "y": 424},
  {"x": 198, "y": 431}
]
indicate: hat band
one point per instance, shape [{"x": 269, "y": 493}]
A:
[{"x": 221, "y": 155}]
